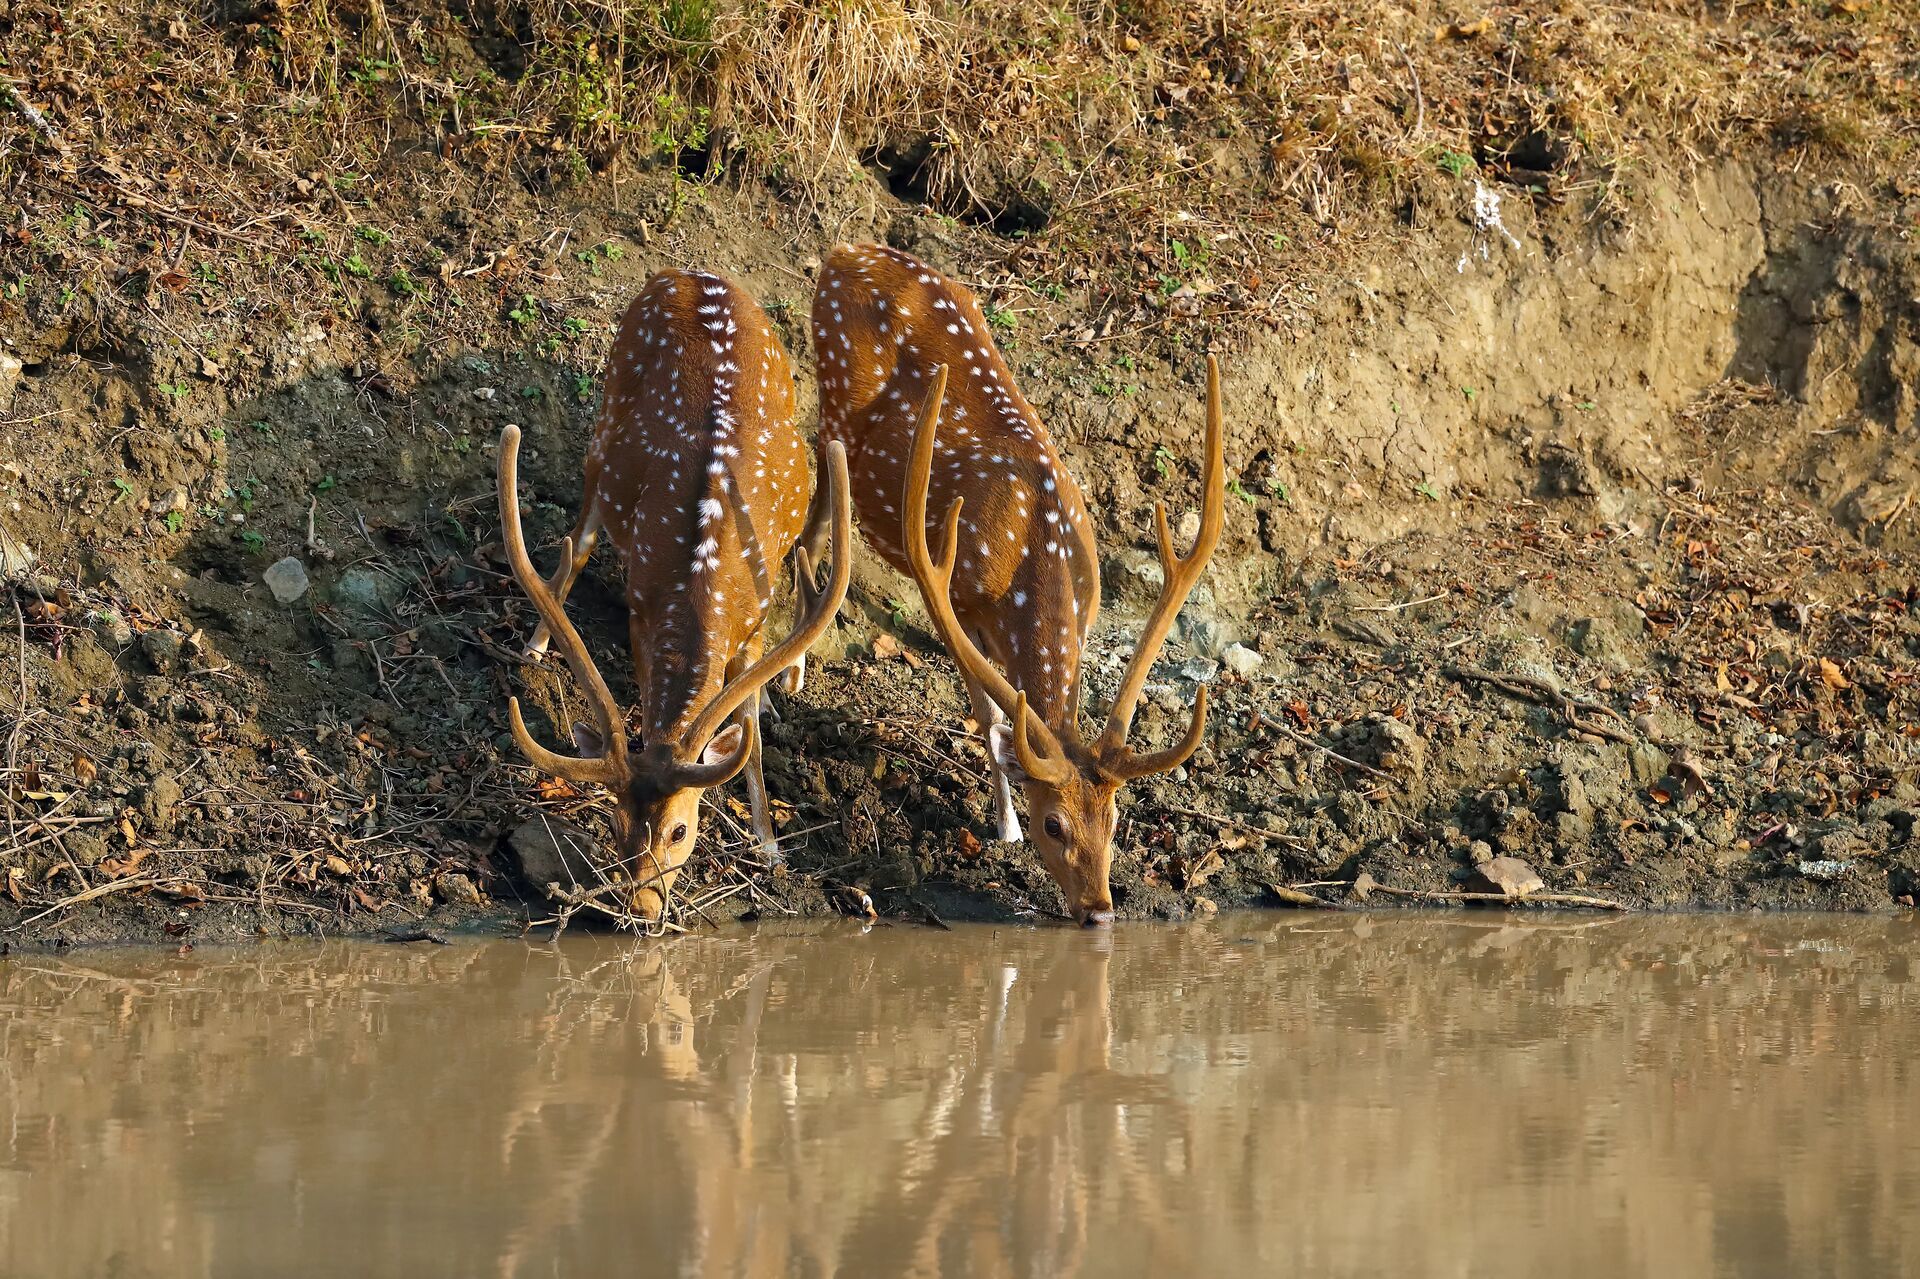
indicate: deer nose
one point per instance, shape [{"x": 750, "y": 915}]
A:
[{"x": 1096, "y": 919}]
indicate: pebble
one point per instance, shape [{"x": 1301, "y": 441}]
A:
[
  {"x": 1241, "y": 660},
  {"x": 287, "y": 579},
  {"x": 10, "y": 367},
  {"x": 113, "y": 630},
  {"x": 484, "y": 393}
]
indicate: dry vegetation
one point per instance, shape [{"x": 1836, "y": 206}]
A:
[{"x": 264, "y": 131}]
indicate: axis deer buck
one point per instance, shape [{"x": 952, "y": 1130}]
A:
[
  {"x": 697, "y": 475},
  {"x": 914, "y": 388}
]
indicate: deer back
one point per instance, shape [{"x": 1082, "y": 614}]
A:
[
  {"x": 1027, "y": 579},
  {"x": 699, "y": 476}
]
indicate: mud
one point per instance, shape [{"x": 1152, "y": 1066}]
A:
[{"x": 1593, "y": 550}]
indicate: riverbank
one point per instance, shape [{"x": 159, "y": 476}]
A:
[{"x": 1573, "y": 506}]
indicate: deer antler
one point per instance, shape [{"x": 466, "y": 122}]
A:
[
  {"x": 808, "y": 627},
  {"x": 1049, "y": 761},
  {"x": 605, "y": 769},
  {"x": 1179, "y": 577}
]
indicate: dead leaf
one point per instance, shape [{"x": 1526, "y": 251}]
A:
[
  {"x": 1832, "y": 676},
  {"x": 1464, "y": 30},
  {"x": 1363, "y": 885},
  {"x": 121, "y": 867},
  {"x": 1199, "y": 872},
  {"x": 339, "y": 865},
  {"x": 85, "y": 769},
  {"x": 969, "y": 844},
  {"x": 126, "y": 831},
  {"x": 16, "y": 876},
  {"x": 885, "y": 646}
]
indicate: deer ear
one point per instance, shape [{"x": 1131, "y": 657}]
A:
[
  {"x": 1000, "y": 744},
  {"x": 586, "y": 740},
  {"x": 724, "y": 744}
]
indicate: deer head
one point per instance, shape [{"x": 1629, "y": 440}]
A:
[
  {"x": 1070, "y": 784},
  {"x": 657, "y": 785}
]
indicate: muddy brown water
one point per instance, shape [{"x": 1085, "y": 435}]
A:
[{"x": 1268, "y": 1094}]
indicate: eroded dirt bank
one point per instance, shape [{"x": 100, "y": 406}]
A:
[{"x": 1585, "y": 542}]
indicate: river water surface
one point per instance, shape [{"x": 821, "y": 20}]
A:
[{"x": 1270, "y": 1094}]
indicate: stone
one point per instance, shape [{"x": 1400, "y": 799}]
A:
[
  {"x": 159, "y": 802},
  {"x": 162, "y": 648},
  {"x": 457, "y": 888},
  {"x": 367, "y": 591},
  {"x": 112, "y": 629},
  {"x": 287, "y": 579},
  {"x": 10, "y": 367},
  {"x": 550, "y": 852},
  {"x": 1241, "y": 660},
  {"x": 1508, "y": 876},
  {"x": 16, "y": 557},
  {"x": 484, "y": 393}
]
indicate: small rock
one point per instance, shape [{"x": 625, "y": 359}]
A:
[
  {"x": 16, "y": 557},
  {"x": 550, "y": 852},
  {"x": 1241, "y": 660},
  {"x": 367, "y": 591},
  {"x": 113, "y": 630},
  {"x": 484, "y": 393},
  {"x": 162, "y": 649},
  {"x": 1824, "y": 868},
  {"x": 1205, "y": 906},
  {"x": 457, "y": 888},
  {"x": 1480, "y": 853},
  {"x": 10, "y": 367},
  {"x": 159, "y": 802},
  {"x": 1199, "y": 670},
  {"x": 287, "y": 579},
  {"x": 1509, "y": 876}
]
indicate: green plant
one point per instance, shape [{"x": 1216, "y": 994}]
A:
[
  {"x": 125, "y": 490},
  {"x": 373, "y": 235},
  {"x": 1280, "y": 491},
  {"x": 177, "y": 390},
  {"x": 1470, "y": 392},
  {"x": 1162, "y": 456},
  {"x": 524, "y": 312},
  {"x": 357, "y": 267},
  {"x": 218, "y": 434},
  {"x": 325, "y": 483},
  {"x": 1233, "y": 487},
  {"x": 174, "y": 520},
  {"x": 583, "y": 387},
  {"x": 253, "y": 541},
  {"x": 532, "y": 393},
  {"x": 1002, "y": 319},
  {"x": 1426, "y": 489},
  {"x": 1456, "y": 163},
  {"x": 402, "y": 283}
]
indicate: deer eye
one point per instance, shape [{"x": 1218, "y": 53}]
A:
[
  {"x": 679, "y": 832},
  {"x": 1054, "y": 828}
]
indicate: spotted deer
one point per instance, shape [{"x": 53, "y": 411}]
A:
[
  {"x": 914, "y": 388},
  {"x": 697, "y": 476}
]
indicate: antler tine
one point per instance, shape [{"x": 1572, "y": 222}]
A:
[
  {"x": 807, "y": 629},
  {"x": 1179, "y": 577},
  {"x": 936, "y": 589},
  {"x": 611, "y": 766}
]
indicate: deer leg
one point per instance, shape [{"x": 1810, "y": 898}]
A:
[
  {"x": 585, "y": 534},
  {"x": 756, "y": 779},
  {"x": 987, "y": 713},
  {"x": 806, "y": 561}
]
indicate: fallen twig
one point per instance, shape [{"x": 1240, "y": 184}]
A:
[
  {"x": 1559, "y": 899},
  {"x": 98, "y": 890},
  {"x": 1368, "y": 769},
  {"x": 1235, "y": 825},
  {"x": 1531, "y": 688}
]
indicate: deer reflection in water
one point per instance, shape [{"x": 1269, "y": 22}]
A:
[{"x": 699, "y": 1121}]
